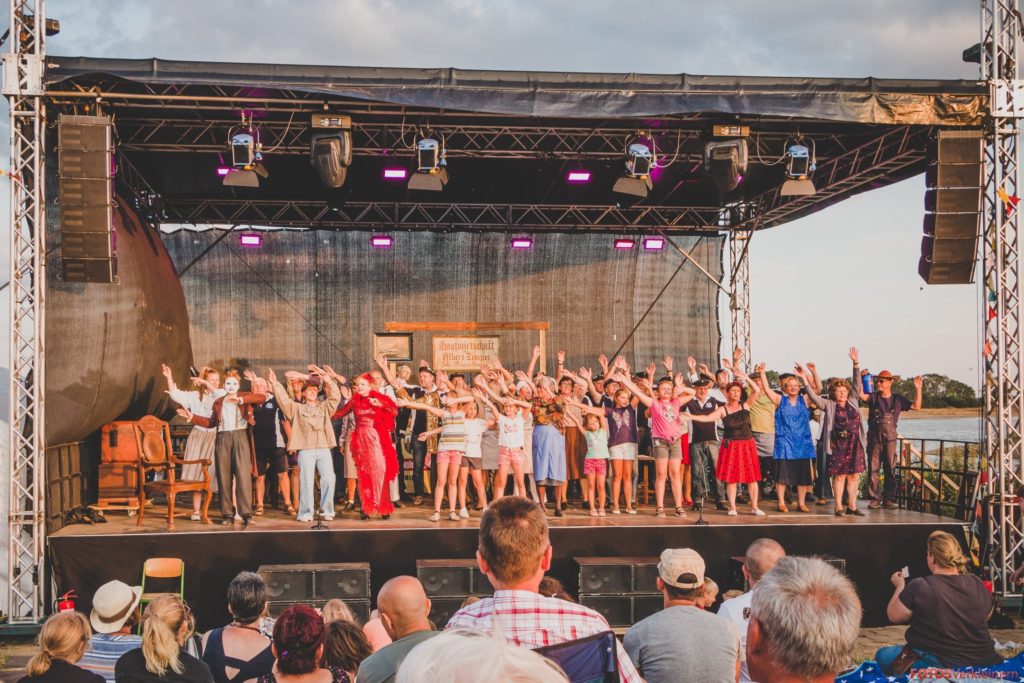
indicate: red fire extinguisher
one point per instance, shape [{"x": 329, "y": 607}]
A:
[{"x": 66, "y": 602}]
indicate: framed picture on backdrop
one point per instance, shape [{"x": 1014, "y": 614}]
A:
[{"x": 397, "y": 346}]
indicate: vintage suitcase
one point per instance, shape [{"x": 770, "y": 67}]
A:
[{"x": 117, "y": 443}]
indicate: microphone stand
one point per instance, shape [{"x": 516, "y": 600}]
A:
[{"x": 319, "y": 522}]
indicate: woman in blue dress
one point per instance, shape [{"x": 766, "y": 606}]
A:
[{"x": 794, "y": 448}]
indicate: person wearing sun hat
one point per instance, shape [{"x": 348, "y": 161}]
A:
[
  {"x": 683, "y": 642},
  {"x": 115, "y": 612},
  {"x": 884, "y": 408}
]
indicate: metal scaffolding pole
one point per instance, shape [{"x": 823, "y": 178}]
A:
[
  {"x": 1002, "y": 286},
  {"x": 23, "y": 87},
  {"x": 739, "y": 301}
]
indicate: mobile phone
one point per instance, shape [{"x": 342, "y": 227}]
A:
[
  {"x": 192, "y": 371},
  {"x": 905, "y": 572}
]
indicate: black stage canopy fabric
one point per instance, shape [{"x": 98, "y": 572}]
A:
[{"x": 570, "y": 95}]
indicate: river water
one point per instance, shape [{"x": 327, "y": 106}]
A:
[{"x": 951, "y": 428}]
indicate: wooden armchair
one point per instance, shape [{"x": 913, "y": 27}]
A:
[{"x": 153, "y": 437}]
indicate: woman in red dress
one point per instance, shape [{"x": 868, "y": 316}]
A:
[
  {"x": 737, "y": 458},
  {"x": 373, "y": 453}
]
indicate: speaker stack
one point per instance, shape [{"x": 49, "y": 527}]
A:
[
  {"x": 623, "y": 589},
  {"x": 952, "y": 203},
  {"x": 315, "y": 584},
  {"x": 448, "y": 583},
  {"x": 86, "y": 166}
]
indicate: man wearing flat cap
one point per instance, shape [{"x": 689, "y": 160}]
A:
[
  {"x": 884, "y": 408},
  {"x": 115, "y": 612},
  {"x": 682, "y": 642}
]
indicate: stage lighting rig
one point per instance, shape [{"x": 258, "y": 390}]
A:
[
  {"x": 641, "y": 158},
  {"x": 330, "y": 151},
  {"x": 246, "y": 155},
  {"x": 800, "y": 164},
  {"x": 431, "y": 167},
  {"x": 726, "y": 162}
]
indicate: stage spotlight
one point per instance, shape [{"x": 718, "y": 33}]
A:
[
  {"x": 726, "y": 162},
  {"x": 382, "y": 241},
  {"x": 640, "y": 160},
  {"x": 331, "y": 154},
  {"x": 624, "y": 243},
  {"x": 250, "y": 239},
  {"x": 578, "y": 177},
  {"x": 431, "y": 167},
  {"x": 800, "y": 164},
  {"x": 246, "y": 156},
  {"x": 395, "y": 174},
  {"x": 521, "y": 243},
  {"x": 654, "y": 243}
]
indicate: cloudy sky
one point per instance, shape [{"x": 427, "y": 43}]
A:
[{"x": 843, "y": 276}]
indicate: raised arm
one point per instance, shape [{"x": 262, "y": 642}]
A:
[
  {"x": 918, "y": 392},
  {"x": 487, "y": 401},
  {"x": 755, "y": 390},
  {"x": 169, "y": 376},
  {"x": 417, "y": 405},
  {"x": 858, "y": 384},
  {"x": 772, "y": 396},
  {"x": 681, "y": 391},
  {"x": 814, "y": 378},
  {"x": 625, "y": 381},
  {"x": 812, "y": 390},
  {"x": 714, "y": 416},
  {"x": 589, "y": 410},
  {"x": 533, "y": 361},
  {"x": 283, "y": 399},
  {"x": 569, "y": 421},
  {"x": 389, "y": 377}
]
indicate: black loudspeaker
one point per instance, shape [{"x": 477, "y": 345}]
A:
[
  {"x": 617, "y": 575},
  {"x": 442, "y": 609},
  {"x": 952, "y": 203},
  {"x": 316, "y": 582},
  {"x": 85, "y": 151},
  {"x": 287, "y": 583},
  {"x": 617, "y": 609},
  {"x": 452, "y": 578},
  {"x": 739, "y": 581}
]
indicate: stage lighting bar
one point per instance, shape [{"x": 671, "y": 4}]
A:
[
  {"x": 654, "y": 243},
  {"x": 250, "y": 239},
  {"x": 624, "y": 244},
  {"x": 800, "y": 164},
  {"x": 382, "y": 241},
  {"x": 395, "y": 174},
  {"x": 578, "y": 177},
  {"x": 521, "y": 243}
]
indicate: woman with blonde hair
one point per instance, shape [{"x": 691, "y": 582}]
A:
[
  {"x": 947, "y": 612},
  {"x": 62, "y": 642},
  {"x": 336, "y": 610},
  {"x": 166, "y": 625}
]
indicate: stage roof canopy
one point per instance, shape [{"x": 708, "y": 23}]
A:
[{"x": 511, "y": 138}]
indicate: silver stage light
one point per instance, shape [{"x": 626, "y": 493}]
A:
[
  {"x": 636, "y": 181},
  {"x": 800, "y": 164},
  {"x": 431, "y": 166}
]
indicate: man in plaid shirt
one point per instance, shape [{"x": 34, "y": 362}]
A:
[{"x": 514, "y": 553}]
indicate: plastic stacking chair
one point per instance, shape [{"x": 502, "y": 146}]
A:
[
  {"x": 164, "y": 570},
  {"x": 587, "y": 660}
]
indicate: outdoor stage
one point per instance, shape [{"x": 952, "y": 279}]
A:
[{"x": 874, "y": 546}]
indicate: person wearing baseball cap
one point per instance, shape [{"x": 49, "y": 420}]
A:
[
  {"x": 115, "y": 612},
  {"x": 682, "y": 642},
  {"x": 884, "y": 408}
]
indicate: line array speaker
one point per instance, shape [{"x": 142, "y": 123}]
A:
[
  {"x": 85, "y": 151},
  {"x": 952, "y": 204}
]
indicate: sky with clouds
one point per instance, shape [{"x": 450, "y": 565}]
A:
[{"x": 847, "y": 275}]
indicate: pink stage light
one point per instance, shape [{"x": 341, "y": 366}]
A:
[
  {"x": 578, "y": 177},
  {"x": 624, "y": 244},
  {"x": 521, "y": 243},
  {"x": 223, "y": 170},
  {"x": 382, "y": 241},
  {"x": 395, "y": 173},
  {"x": 250, "y": 239},
  {"x": 654, "y": 243}
]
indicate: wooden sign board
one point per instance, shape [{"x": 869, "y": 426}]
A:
[{"x": 464, "y": 353}]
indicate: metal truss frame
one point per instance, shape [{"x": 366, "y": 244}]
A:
[
  {"x": 23, "y": 87},
  {"x": 739, "y": 299},
  {"x": 1002, "y": 289},
  {"x": 437, "y": 216}
]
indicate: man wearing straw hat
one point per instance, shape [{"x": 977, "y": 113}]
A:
[
  {"x": 115, "y": 611},
  {"x": 884, "y": 408}
]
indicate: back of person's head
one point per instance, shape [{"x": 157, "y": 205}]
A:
[
  {"x": 466, "y": 656},
  {"x": 945, "y": 551},
  {"x": 553, "y": 588},
  {"x": 247, "y": 597},
  {"x": 760, "y": 557},
  {"x": 808, "y": 618},
  {"x": 298, "y": 635},
  {"x": 336, "y": 610},
  {"x": 513, "y": 538},
  {"x": 161, "y": 625},
  {"x": 404, "y": 606},
  {"x": 345, "y": 646},
  {"x": 63, "y": 636}
]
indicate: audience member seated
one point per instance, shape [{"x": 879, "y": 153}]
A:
[
  {"x": 166, "y": 625},
  {"x": 239, "y": 652},
  {"x": 553, "y": 588},
  {"x": 345, "y": 648},
  {"x": 707, "y": 601},
  {"x": 947, "y": 611},
  {"x": 62, "y": 642},
  {"x": 760, "y": 557},
  {"x": 298, "y": 647},
  {"x": 804, "y": 622},
  {"x": 683, "y": 642},
  {"x": 404, "y": 608},
  {"x": 514, "y": 552},
  {"x": 375, "y": 631},
  {"x": 466, "y": 656},
  {"x": 115, "y": 614},
  {"x": 337, "y": 610}
]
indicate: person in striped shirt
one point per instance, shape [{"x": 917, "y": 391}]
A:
[
  {"x": 514, "y": 552},
  {"x": 115, "y": 613}
]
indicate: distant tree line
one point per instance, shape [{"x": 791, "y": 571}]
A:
[{"x": 939, "y": 391}]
